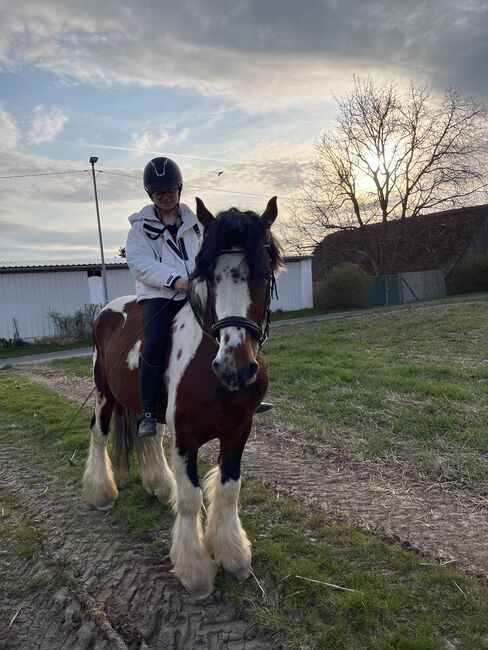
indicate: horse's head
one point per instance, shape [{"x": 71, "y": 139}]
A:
[{"x": 231, "y": 292}]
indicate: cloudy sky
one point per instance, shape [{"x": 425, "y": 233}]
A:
[{"x": 244, "y": 87}]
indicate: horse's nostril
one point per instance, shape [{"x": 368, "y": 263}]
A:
[
  {"x": 248, "y": 372},
  {"x": 215, "y": 365}
]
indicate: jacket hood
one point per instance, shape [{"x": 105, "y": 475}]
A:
[{"x": 147, "y": 213}]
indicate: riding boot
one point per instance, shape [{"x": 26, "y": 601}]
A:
[
  {"x": 151, "y": 387},
  {"x": 264, "y": 406}
]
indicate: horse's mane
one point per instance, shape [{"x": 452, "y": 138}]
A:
[{"x": 242, "y": 230}]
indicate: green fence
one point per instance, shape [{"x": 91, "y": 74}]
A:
[{"x": 384, "y": 290}]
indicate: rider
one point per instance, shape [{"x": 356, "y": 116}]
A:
[{"x": 161, "y": 248}]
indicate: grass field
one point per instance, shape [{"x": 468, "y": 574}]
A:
[
  {"x": 391, "y": 598},
  {"x": 410, "y": 383}
]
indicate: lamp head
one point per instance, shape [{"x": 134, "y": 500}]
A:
[{"x": 93, "y": 160}]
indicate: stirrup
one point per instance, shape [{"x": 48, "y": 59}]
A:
[
  {"x": 264, "y": 406},
  {"x": 147, "y": 426}
]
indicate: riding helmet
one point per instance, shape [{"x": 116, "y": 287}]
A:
[{"x": 161, "y": 173}]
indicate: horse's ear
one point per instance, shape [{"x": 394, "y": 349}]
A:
[
  {"x": 271, "y": 212},
  {"x": 204, "y": 215}
]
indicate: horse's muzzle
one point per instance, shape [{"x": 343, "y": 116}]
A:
[{"x": 235, "y": 379}]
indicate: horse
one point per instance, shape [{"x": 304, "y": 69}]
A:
[{"x": 216, "y": 378}]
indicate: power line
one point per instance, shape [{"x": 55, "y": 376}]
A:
[
  {"x": 198, "y": 187},
  {"x": 203, "y": 187},
  {"x": 79, "y": 171}
]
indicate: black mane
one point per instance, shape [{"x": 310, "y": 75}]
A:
[{"x": 242, "y": 230}]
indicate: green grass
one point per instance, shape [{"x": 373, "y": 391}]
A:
[
  {"x": 396, "y": 600},
  {"x": 79, "y": 366},
  {"x": 39, "y": 348},
  {"x": 412, "y": 382},
  {"x": 409, "y": 382}
]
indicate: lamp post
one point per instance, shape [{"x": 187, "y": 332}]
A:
[{"x": 93, "y": 160}]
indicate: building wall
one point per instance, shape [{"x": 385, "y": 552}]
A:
[
  {"x": 29, "y": 297},
  {"x": 294, "y": 285},
  {"x": 479, "y": 245}
]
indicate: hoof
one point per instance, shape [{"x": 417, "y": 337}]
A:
[
  {"x": 201, "y": 594},
  {"x": 242, "y": 574},
  {"x": 109, "y": 506}
]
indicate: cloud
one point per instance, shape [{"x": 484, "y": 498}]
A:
[
  {"x": 157, "y": 141},
  {"x": 258, "y": 55},
  {"x": 9, "y": 134},
  {"x": 46, "y": 124}
]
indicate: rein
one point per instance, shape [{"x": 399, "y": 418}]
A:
[{"x": 259, "y": 331}]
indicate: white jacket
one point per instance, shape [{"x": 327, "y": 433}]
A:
[{"x": 156, "y": 261}]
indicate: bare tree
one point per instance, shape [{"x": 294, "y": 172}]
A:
[{"x": 393, "y": 154}]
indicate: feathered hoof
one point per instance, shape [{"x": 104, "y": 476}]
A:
[
  {"x": 242, "y": 573},
  {"x": 100, "y": 494},
  {"x": 200, "y": 594},
  {"x": 109, "y": 506}
]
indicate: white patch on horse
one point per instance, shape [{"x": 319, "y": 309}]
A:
[
  {"x": 185, "y": 343},
  {"x": 133, "y": 356},
  {"x": 118, "y": 305},
  {"x": 232, "y": 298}
]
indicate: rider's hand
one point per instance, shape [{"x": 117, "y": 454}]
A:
[{"x": 182, "y": 284}]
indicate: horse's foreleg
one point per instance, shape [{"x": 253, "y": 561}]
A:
[
  {"x": 98, "y": 480},
  {"x": 225, "y": 538},
  {"x": 156, "y": 475},
  {"x": 192, "y": 564}
]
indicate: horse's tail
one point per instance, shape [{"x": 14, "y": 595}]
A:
[{"x": 124, "y": 429}]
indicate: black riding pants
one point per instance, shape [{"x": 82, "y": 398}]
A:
[{"x": 157, "y": 314}]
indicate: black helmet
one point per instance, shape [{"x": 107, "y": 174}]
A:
[{"x": 161, "y": 173}]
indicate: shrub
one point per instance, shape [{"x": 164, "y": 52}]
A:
[
  {"x": 469, "y": 276},
  {"x": 346, "y": 286},
  {"x": 11, "y": 343},
  {"x": 76, "y": 326}
]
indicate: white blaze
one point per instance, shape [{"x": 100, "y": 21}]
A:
[{"x": 231, "y": 299}]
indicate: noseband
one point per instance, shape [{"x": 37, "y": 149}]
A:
[{"x": 259, "y": 331}]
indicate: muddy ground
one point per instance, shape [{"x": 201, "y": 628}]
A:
[{"x": 112, "y": 593}]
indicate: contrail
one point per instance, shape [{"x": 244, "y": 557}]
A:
[{"x": 152, "y": 153}]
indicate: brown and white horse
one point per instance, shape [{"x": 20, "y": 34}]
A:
[{"x": 216, "y": 378}]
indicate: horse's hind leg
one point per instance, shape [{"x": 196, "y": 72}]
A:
[
  {"x": 191, "y": 561},
  {"x": 225, "y": 538},
  {"x": 156, "y": 475},
  {"x": 98, "y": 480}
]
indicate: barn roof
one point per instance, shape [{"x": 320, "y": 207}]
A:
[
  {"x": 42, "y": 266},
  {"x": 60, "y": 265},
  {"x": 432, "y": 241}
]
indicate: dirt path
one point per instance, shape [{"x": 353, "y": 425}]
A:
[
  {"x": 90, "y": 585},
  {"x": 445, "y": 522}
]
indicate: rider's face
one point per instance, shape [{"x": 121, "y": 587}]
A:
[{"x": 167, "y": 199}]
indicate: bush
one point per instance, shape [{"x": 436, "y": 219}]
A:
[
  {"x": 469, "y": 277},
  {"x": 5, "y": 344},
  {"x": 76, "y": 326},
  {"x": 345, "y": 287}
]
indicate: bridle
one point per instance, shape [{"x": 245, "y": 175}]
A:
[{"x": 259, "y": 330}]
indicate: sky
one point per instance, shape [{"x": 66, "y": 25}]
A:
[{"x": 243, "y": 87}]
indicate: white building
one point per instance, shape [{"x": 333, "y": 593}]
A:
[{"x": 29, "y": 292}]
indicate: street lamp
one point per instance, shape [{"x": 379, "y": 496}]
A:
[{"x": 93, "y": 160}]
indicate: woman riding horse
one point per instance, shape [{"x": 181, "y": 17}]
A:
[
  {"x": 161, "y": 248},
  {"x": 216, "y": 381}
]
